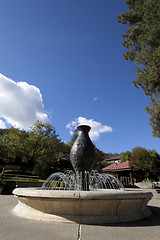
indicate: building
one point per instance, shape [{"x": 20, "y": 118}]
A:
[
  {"x": 63, "y": 163},
  {"x": 114, "y": 159},
  {"x": 121, "y": 170}
]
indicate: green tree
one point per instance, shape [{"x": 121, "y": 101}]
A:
[
  {"x": 3, "y": 151},
  {"x": 15, "y": 141},
  {"x": 154, "y": 165},
  {"x": 36, "y": 149},
  {"x": 125, "y": 156},
  {"x": 154, "y": 111},
  {"x": 46, "y": 147},
  {"x": 145, "y": 164},
  {"x": 142, "y": 41},
  {"x": 140, "y": 163}
]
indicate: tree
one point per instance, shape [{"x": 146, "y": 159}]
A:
[
  {"x": 46, "y": 147},
  {"x": 154, "y": 165},
  {"x": 15, "y": 141},
  {"x": 3, "y": 151},
  {"x": 154, "y": 111},
  {"x": 142, "y": 41},
  {"x": 140, "y": 159},
  {"x": 36, "y": 149},
  {"x": 145, "y": 164},
  {"x": 125, "y": 156}
]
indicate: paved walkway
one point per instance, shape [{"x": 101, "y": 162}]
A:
[{"x": 15, "y": 228}]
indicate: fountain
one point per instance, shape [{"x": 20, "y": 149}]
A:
[{"x": 82, "y": 196}]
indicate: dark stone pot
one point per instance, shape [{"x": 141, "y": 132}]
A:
[{"x": 82, "y": 155}]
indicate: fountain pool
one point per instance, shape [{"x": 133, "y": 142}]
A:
[
  {"x": 85, "y": 207},
  {"x": 82, "y": 198}
]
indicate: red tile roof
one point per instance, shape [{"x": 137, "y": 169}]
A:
[
  {"x": 65, "y": 158},
  {"x": 110, "y": 167},
  {"x": 117, "y": 166},
  {"x": 113, "y": 158}
]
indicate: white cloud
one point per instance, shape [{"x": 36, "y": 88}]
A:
[
  {"x": 71, "y": 126},
  {"x": 95, "y": 98},
  {"x": 21, "y": 104},
  {"x": 96, "y": 127},
  {"x": 2, "y": 124}
]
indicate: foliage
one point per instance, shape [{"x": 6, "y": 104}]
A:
[
  {"x": 154, "y": 111},
  {"x": 15, "y": 141},
  {"x": 3, "y": 151},
  {"x": 145, "y": 164},
  {"x": 46, "y": 148},
  {"x": 100, "y": 156},
  {"x": 36, "y": 149},
  {"x": 10, "y": 179},
  {"x": 146, "y": 180},
  {"x": 73, "y": 138},
  {"x": 142, "y": 41},
  {"x": 125, "y": 156},
  {"x": 154, "y": 165}
]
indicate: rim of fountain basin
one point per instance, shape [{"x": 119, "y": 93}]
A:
[
  {"x": 103, "y": 206},
  {"x": 96, "y": 193}
]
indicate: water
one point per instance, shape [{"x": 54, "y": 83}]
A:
[{"x": 71, "y": 181}]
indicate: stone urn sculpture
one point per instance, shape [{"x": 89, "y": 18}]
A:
[{"x": 82, "y": 155}]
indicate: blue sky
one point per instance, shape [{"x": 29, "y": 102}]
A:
[{"x": 62, "y": 61}]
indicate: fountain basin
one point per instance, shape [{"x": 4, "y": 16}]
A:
[{"x": 85, "y": 207}]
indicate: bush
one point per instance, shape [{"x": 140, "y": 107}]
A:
[
  {"x": 147, "y": 180},
  {"x": 11, "y": 180}
]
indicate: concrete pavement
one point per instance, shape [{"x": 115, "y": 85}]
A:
[{"x": 15, "y": 228}]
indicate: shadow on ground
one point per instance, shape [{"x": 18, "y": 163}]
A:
[{"x": 153, "y": 220}]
